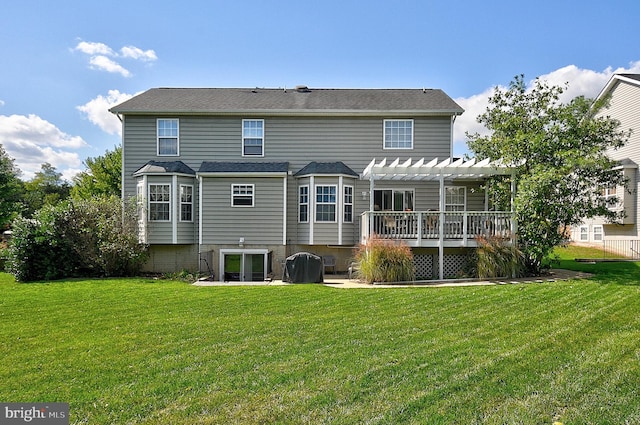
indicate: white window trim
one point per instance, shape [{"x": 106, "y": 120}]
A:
[
  {"x": 300, "y": 203},
  {"x": 335, "y": 203},
  {"x": 597, "y": 226},
  {"x": 253, "y": 195},
  {"x": 384, "y": 134},
  {"x": 158, "y": 202},
  {"x": 177, "y": 136},
  {"x": 243, "y": 139},
  {"x": 586, "y": 229},
  {"x": 345, "y": 203},
  {"x": 186, "y": 203}
]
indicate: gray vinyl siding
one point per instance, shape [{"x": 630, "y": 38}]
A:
[
  {"x": 261, "y": 224},
  {"x": 354, "y": 141},
  {"x": 298, "y": 140}
]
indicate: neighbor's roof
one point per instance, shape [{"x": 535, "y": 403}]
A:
[
  {"x": 332, "y": 168},
  {"x": 615, "y": 79},
  {"x": 215, "y": 167},
  {"x": 297, "y": 101}
]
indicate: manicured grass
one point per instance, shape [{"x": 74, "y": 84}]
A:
[{"x": 158, "y": 352}]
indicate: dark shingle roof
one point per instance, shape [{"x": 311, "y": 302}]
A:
[
  {"x": 326, "y": 168},
  {"x": 280, "y": 101},
  {"x": 175, "y": 167},
  {"x": 631, "y": 76},
  {"x": 244, "y": 167}
]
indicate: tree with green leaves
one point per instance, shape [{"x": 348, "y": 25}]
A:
[
  {"x": 47, "y": 187},
  {"x": 561, "y": 155},
  {"x": 102, "y": 178},
  {"x": 10, "y": 190}
]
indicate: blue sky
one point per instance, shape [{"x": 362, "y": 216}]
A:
[{"x": 64, "y": 63}]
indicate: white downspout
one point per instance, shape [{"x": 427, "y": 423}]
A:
[
  {"x": 175, "y": 208},
  {"x": 284, "y": 213},
  {"x": 312, "y": 208},
  {"x": 339, "y": 213}
]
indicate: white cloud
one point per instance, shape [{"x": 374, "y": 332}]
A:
[
  {"x": 1, "y": 102},
  {"x": 91, "y": 48},
  {"x": 97, "y": 111},
  {"x": 583, "y": 82},
  {"x": 137, "y": 53},
  {"x": 32, "y": 141},
  {"x": 105, "y": 64},
  {"x": 104, "y": 58}
]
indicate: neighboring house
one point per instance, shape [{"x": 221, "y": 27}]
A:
[
  {"x": 233, "y": 181},
  {"x": 622, "y": 96}
]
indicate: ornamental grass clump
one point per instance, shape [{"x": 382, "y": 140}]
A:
[
  {"x": 385, "y": 261},
  {"x": 497, "y": 257}
]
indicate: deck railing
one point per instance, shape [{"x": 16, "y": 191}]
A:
[{"x": 425, "y": 225}]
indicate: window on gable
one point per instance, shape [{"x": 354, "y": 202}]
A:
[
  {"x": 326, "y": 203},
  {"x": 584, "y": 233},
  {"x": 303, "y": 204},
  {"x": 252, "y": 137},
  {"x": 186, "y": 202},
  {"x": 348, "y": 204},
  {"x": 167, "y": 133},
  {"x": 242, "y": 195},
  {"x": 398, "y": 134},
  {"x": 159, "y": 202}
]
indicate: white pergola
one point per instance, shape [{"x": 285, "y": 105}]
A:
[{"x": 447, "y": 170}]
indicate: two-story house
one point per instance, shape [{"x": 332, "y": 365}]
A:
[
  {"x": 233, "y": 181},
  {"x": 621, "y": 97}
]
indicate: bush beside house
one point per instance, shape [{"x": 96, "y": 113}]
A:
[{"x": 78, "y": 238}]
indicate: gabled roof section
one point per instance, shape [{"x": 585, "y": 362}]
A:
[
  {"x": 229, "y": 101},
  {"x": 170, "y": 167},
  {"x": 448, "y": 169},
  {"x": 249, "y": 168},
  {"x": 333, "y": 168},
  {"x": 615, "y": 79}
]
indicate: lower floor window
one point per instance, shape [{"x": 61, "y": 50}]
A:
[
  {"x": 326, "y": 203},
  {"x": 159, "y": 202},
  {"x": 597, "y": 233},
  {"x": 186, "y": 202},
  {"x": 242, "y": 195}
]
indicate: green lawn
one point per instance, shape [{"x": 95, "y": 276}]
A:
[{"x": 140, "y": 351}]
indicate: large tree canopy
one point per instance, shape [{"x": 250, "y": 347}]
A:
[
  {"x": 10, "y": 190},
  {"x": 102, "y": 177},
  {"x": 560, "y": 150}
]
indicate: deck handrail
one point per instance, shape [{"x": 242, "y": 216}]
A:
[{"x": 420, "y": 225}]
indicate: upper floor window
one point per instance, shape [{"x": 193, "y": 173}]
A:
[
  {"x": 159, "y": 202},
  {"x": 326, "y": 203},
  {"x": 242, "y": 195},
  {"x": 348, "y": 204},
  {"x": 398, "y": 134},
  {"x": 186, "y": 202},
  {"x": 167, "y": 133},
  {"x": 303, "y": 204},
  {"x": 252, "y": 137}
]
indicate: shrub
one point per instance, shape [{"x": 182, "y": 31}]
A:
[
  {"x": 79, "y": 238},
  {"x": 497, "y": 257},
  {"x": 384, "y": 261}
]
